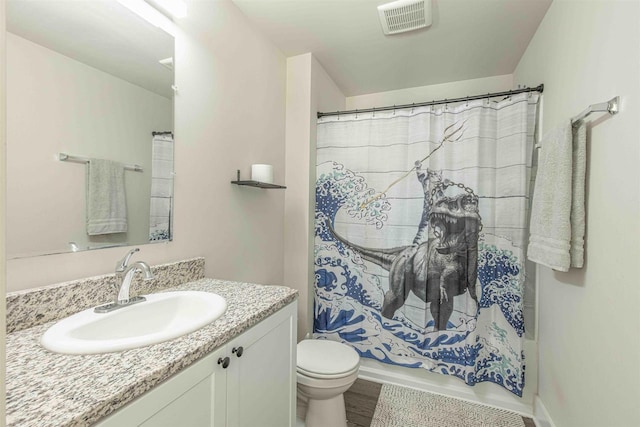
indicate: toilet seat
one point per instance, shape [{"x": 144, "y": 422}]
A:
[
  {"x": 320, "y": 376},
  {"x": 323, "y": 359}
]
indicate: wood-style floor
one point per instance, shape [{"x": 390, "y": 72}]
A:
[
  {"x": 360, "y": 402},
  {"x": 361, "y": 399}
]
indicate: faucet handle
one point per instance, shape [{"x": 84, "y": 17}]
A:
[{"x": 122, "y": 264}]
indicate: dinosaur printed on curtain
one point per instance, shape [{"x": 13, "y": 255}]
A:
[
  {"x": 427, "y": 272},
  {"x": 438, "y": 269}
]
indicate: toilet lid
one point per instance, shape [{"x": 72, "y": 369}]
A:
[{"x": 325, "y": 357}]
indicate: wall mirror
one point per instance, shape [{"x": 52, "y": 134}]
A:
[{"x": 91, "y": 80}]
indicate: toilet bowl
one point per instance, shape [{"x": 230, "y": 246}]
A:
[{"x": 326, "y": 369}]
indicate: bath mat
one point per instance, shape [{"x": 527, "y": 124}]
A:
[{"x": 406, "y": 407}]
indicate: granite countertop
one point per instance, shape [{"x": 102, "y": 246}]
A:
[{"x": 50, "y": 389}]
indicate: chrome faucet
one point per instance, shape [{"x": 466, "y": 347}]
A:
[{"x": 124, "y": 274}]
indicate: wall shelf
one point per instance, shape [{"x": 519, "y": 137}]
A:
[{"x": 257, "y": 184}]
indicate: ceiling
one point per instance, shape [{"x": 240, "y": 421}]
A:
[
  {"x": 468, "y": 39},
  {"x": 100, "y": 33}
]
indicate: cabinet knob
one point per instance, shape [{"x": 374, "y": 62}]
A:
[
  {"x": 238, "y": 351},
  {"x": 224, "y": 362}
]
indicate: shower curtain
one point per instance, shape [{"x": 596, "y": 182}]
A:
[
  {"x": 160, "y": 220},
  {"x": 420, "y": 228}
]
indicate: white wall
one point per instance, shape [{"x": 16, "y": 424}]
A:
[
  {"x": 309, "y": 90},
  {"x": 58, "y": 104},
  {"x": 432, "y": 92},
  {"x": 588, "y": 52},
  {"x": 3, "y": 56},
  {"x": 229, "y": 113}
]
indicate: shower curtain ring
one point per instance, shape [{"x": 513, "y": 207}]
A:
[
  {"x": 394, "y": 109},
  {"x": 446, "y": 105},
  {"x": 467, "y": 101},
  {"x": 413, "y": 105},
  {"x": 374, "y": 111},
  {"x": 356, "y": 113}
]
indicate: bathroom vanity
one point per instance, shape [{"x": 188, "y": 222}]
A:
[
  {"x": 237, "y": 371},
  {"x": 248, "y": 382}
]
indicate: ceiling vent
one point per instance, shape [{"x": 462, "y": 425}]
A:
[{"x": 404, "y": 15}]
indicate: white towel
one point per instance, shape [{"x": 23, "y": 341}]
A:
[
  {"x": 558, "y": 214},
  {"x": 106, "y": 203},
  {"x": 578, "y": 197}
]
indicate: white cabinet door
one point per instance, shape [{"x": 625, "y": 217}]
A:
[
  {"x": 257, "y": 387},
  {"x": 261, "y": 383},
  {"x": 196, "y": 397}
]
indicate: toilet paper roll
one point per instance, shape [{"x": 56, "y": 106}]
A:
[{"x": 262, "y": 173}]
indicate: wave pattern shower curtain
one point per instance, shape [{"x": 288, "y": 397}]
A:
[{"x": 420, "y": 228}]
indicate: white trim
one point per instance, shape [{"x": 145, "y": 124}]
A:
[
  {"x": 540, "y": 414},
  {"x": 175, "y": 8},
  {"x": 150, "y": 14},
  {"x": 537, "y": 307}
]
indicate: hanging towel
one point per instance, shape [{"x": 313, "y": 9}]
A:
[
  {"x": 558, "y": 214},
  {"x": 578, "y": 198},
  {"x": 106, "y": 203}
]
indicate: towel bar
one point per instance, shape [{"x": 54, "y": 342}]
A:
[
  {"x": 63, "y": 157},
  {"x": 612, "y": 107}
]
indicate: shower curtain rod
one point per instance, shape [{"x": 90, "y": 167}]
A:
[{"x": 539, "y": 88}]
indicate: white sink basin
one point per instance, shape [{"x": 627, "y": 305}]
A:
[{"x": 161, "y": 317}]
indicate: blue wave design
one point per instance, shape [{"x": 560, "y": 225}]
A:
[
  {"x": 369, "y": 355},
  {"x": 348, "y": 308},
  {"x": 326, "y": 279},
  {"x": 354, "y": 289},
  {"x": 324, "y": 322},
  {"x": 500, "y": 278}
]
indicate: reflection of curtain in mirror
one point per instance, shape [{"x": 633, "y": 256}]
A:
[{"x": 161, "y": 186}]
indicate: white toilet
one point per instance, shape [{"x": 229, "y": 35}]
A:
[{"x": 326, "y": 369}]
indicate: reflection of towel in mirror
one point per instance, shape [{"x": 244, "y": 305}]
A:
[{"x": 106, "y": 203}]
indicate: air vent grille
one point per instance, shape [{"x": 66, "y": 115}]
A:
[{"x": 404, "y": 15}]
